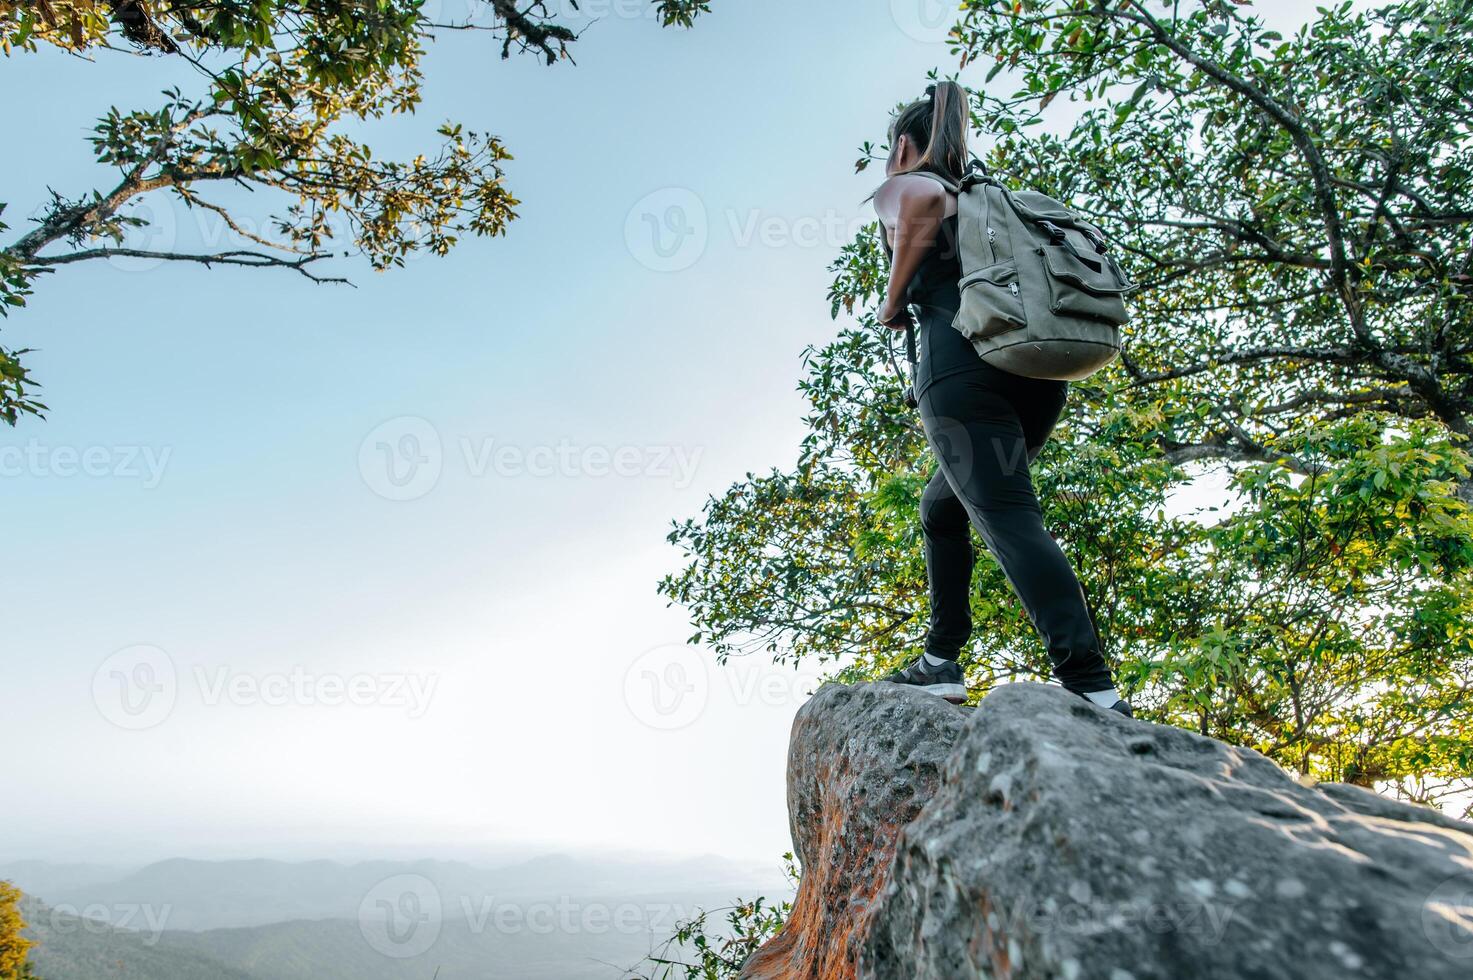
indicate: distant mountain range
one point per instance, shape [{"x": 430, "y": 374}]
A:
[
  {"x": 556, "y": 917},
  {"x": 72, "y": 948}
]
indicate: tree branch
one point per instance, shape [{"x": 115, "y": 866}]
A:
[{"x": 256, "y": 260}]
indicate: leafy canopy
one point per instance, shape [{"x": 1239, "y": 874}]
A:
[
  {"x": 1298, "y": 210},
  {"x": 284, "y": 88}
]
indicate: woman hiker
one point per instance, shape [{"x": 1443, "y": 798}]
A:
[{"x": 984, "y": 424}]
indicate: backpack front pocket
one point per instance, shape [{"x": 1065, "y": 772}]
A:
[
  {"x": 1088, "y": 287},
  {"x": 990, "y": 302}
]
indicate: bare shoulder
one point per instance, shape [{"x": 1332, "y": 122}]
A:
[{"x": 908, "y": 191}]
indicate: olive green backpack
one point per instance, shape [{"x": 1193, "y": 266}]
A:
[{"x": 1041, "y": 295}]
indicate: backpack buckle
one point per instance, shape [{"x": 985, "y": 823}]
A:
[{"x": 1056, "y": 234}]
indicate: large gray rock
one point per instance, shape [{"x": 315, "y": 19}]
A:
[
  {"x": 861, "y": 763},
  {"x": 1065, "y": 841}
]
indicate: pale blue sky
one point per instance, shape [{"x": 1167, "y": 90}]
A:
[
  {"x": 524, "y": 601},
  {"x": 262, "y": 548}
]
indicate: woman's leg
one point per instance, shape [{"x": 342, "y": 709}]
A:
[
  {"x": 948, "y": 544},
  {"x": 980, "y": 444}
]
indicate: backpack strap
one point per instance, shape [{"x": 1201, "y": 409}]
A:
[{"x": 974, "y": 243}]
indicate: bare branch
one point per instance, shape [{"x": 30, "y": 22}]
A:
[{"x": 255, "y": 260}]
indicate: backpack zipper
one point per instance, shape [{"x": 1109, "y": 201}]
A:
[{"x": 1048, "y": 279}]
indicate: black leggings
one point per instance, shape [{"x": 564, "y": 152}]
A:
[{"x": 985, "y": 427}]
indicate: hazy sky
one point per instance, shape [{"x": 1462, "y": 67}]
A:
[{"x": 298, "y": 569}]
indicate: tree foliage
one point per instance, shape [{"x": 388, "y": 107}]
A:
[
  {"x": 1298, "y": 213},
  {"x": 284, "y": 86},
  {"x": 703, "y": 950},
  {"x": 13, "y": 946},
  {"x": 1299, "y": 210}
]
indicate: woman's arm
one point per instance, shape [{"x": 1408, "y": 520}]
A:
[{"x": 911, "y": 209}]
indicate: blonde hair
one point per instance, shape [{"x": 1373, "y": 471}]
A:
[{"x": 938, "y": 124}]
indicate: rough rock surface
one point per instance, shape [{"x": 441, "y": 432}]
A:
[
  {"x": 861, "y": 763},
  {"x": 1064, "y": 841}
]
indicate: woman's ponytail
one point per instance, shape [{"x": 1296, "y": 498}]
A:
[{"x": 938, "y": 126}]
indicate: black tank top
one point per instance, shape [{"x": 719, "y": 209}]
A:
[{"x": 942, "y": 350}]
